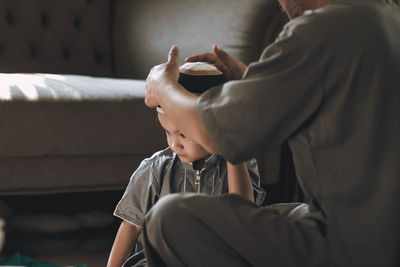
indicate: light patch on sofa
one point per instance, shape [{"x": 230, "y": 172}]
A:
[
  {"x": 34, "y": 87},
  {"x": 65, "y": 88},
  {"x": 26, "y": 84}
]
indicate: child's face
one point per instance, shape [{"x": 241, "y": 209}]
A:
[{"x": 187, "y": 150}]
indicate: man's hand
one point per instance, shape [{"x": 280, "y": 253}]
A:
[
  {"x": 160, "y": 76},
  {"x": 231, "y": 67}
]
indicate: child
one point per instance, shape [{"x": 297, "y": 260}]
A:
[{"x": 184, "y": 166}]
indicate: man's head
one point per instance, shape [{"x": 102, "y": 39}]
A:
[
  {"x": 196, "y": 77},
  {"x": 295, "y": 8}
]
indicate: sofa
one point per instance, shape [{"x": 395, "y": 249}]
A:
[{"x": 72, "y": 110}]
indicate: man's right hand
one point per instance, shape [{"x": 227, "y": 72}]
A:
[
  {"x": 160, "y": 77},
  {"x": 230, "y": 66}
]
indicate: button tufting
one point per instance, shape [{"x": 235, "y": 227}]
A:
[
  {"x": 77, "y": 23},
  {"x": 44, "y": 20},
  {"x": 10, "y": 19},
  {"x": 66, "y": 53},
  {"x": 33, "y": 50},
  {"x": 98, "y": 58}
]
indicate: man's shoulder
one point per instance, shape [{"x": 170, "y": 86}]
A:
[
  {"x": 341, "y": 16},
  {"x": 341, "y": 25}
]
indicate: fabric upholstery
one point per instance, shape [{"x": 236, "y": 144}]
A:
[
  {"x": 56, "y": 36},
  {"x": 86, "y": 128},
  {"x": 65, "y": 133},
  {"x": 68, "y": 115},
  {"x": 144, "y": 31},
  {"x": 54, "y": 174}
]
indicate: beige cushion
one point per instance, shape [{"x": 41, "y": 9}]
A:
[{"x": 44, "y": 115}]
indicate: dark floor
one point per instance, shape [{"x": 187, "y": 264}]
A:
[
  {"x": 89, "y": 259},
  {"x": 85, "y": 245},
  {"x": 72, "y": 246}
]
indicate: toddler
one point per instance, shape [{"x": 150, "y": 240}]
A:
[{"x": 184, "y": 166}]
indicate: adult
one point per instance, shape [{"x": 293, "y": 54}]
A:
[{"x": 330, "y": 86}]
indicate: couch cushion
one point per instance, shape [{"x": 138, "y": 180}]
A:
[
  {"x": 144, "y": 31},
  {"x": 66, "y": 115},
  {"x": 55, "y": 174}
]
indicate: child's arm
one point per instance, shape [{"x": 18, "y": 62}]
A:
[
  {"x": 126, "y": 237},
  {"x": 239, "y": 181}
]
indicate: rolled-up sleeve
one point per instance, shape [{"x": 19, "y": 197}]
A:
[{"x": 139, "y": 196}]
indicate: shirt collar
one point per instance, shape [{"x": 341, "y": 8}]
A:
[{"x": 211, "y": 161}]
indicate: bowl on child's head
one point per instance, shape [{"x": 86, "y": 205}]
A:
[{"x": 198, "y": 77}]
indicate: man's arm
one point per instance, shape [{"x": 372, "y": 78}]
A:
[
  {"x": 163, "y": 89},
  {"x": 126, "y": 237},
  {"x": 239, "y": 181}
]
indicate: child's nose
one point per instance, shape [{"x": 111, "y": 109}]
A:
[{"x": 176, "y": 145}]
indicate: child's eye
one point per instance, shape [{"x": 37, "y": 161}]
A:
[
  {"x": 166, "y": 132},
  {"x": 182, "y": 135}
]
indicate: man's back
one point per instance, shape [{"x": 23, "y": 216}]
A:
[{"x": 347, "y": 156}]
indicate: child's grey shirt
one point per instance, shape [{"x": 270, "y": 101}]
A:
[{"x": 164, "y": 173}]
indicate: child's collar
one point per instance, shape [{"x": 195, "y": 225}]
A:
[{"x": 212, "y": 159}]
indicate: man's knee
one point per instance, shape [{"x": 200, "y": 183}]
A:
[{"x": 167, "y": 214}]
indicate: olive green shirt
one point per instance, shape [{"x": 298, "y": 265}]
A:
[
  {"x": 330, "y": 85},
  {"x": 164, "y": 173}
]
